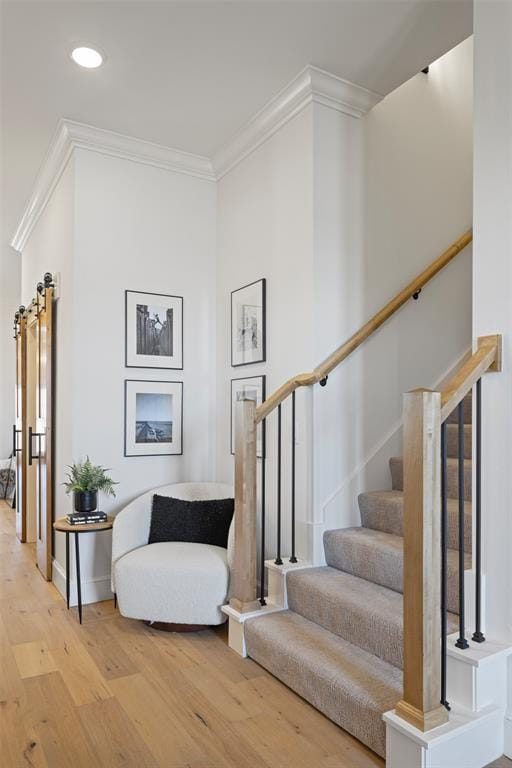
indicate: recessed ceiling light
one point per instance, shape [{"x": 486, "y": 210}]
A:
[{"x": 87, "y": 57}]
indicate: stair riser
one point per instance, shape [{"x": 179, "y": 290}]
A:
[
  {"x": 317, "y": 677},
  {"x": 452, "y": 441},
  {"x": 384, "y": 568},
  {"x": 396, "y": 467},
  {"x": 381, "y": 514},
  {"x": 318, "y": 692},
  {"x": 353, "y": 622}
]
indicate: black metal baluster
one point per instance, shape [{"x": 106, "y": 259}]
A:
[
  {"x": 293, "y": 558},
  {"x": 461, "y": 642},
  {"x": 478, "y": 636},
  {"x": 278, "y": 560},
  {"x": 263, "y": 480},
  {"x": 444, "y": 562}
]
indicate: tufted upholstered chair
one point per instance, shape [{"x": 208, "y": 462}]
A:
[{"x": 172, "y": 582}]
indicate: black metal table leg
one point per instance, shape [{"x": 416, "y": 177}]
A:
[
  {"x": 78, "y": 583},
  {"x": 67, "y": 569}
]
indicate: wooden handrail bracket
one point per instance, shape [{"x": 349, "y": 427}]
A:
[{"x": 346, "y": 349}]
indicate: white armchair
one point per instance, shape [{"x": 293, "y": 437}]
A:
[{"x": 171, "y": 582}]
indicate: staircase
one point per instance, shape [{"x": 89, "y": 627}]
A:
[
  {"x": 340, "y": 643},
  {"x": 367, "y": 635}
]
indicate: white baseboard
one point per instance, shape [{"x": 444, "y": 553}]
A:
[
  {"x": 507, "y": 745},
  {"x": 94, "y": 590}
]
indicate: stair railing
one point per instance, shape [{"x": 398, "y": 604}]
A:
[
  {"x": 425, "y": 576},
  {"x": 248, "y": 417}
]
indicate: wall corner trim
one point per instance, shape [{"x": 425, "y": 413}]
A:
[
  {"x": 72, "y": 135},
  {"x": 310, "y": 85}
]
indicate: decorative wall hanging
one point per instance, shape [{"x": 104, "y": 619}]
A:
[
  {"x": 153, "y": 414},
  {"x": 154, "y": 330},
  {"x": 253, "y": 388},
  {"x": 248, "y": 324}
]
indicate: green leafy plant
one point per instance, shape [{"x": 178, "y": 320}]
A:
[{"x": 85, "y": 476}]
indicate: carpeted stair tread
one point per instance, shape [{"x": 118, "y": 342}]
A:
[
  {"x": 397, "y": 476},
  {"x": 452, "y": 440},
  {"x": 349, "y": 685},
  {"x": 378, "y": 558},
  {"x": 363, "y": 613},
  {"x": 384, "y": 511},
  {"x": 453, "y": 418}
]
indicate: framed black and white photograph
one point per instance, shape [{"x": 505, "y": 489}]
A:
[
  {"x": 252, "y": 388},
  {"x": 248, "y": 321},
  {"x": 153, "y": 414},
  {"x": 154, "y": 330}
]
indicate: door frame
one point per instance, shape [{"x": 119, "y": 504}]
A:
[
  {"x": 20, "y": 426},
  {"x": 44, "y": 428}
]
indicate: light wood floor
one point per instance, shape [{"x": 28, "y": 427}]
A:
[{"x": 115, "y": 693}]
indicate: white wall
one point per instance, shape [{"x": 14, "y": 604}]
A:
[
  {"x": 492, "y": 279},
  {"x": 416, "y": 199},
  {"x": 10, "y": 280},
  {"x": 388, "y": 193},
  {"x": 141, "y": 228},
  {"x": 265, "y": 229},
  {"x": 338, "y": 296}
]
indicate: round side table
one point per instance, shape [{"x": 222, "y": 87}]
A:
[{"x": 63, "y": 526}]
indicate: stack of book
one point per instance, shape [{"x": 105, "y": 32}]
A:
[{"x": 80, "y": 519}]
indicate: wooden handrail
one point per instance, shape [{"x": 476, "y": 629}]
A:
[
  {"x": 486, "y": 358},
  {"x": 346, "y": 349}
]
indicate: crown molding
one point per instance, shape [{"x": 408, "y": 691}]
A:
[
  {"x": 71, "y": 135},
  {"x": 312, "y": 85}
]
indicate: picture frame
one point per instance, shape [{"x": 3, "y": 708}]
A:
[
  {"x": 153, "y": 418},
  {"x": 153, "y": 330},
  {"x": 248, "y": 385},
  {"x": 248, "y": 324}
]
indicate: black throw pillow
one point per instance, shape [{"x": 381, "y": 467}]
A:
[{"x": 200, "y": 522}]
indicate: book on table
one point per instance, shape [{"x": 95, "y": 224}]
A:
[{"x": 78, "y": 519}]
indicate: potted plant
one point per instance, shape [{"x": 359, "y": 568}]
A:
[{"x": 85, "y": 480}]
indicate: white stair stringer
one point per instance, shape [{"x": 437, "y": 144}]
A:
[{"x": 476, "y": 733}]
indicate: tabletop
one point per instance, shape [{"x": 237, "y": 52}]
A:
[{"x": 61, "y": 524}]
